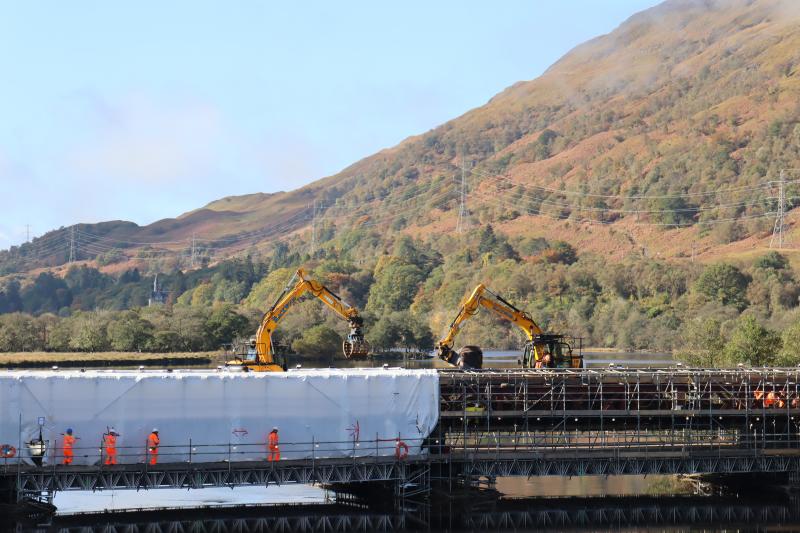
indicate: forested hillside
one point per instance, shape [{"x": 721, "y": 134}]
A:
[
  {"x": 713, "y": 313},
  {"x": 627, "y": 196}
]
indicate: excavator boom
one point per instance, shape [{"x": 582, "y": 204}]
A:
[{"x": 540, "y": 349}]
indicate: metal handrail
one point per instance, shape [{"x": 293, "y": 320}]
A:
[
  {"x": 193, "y": 451},
  {"x": 496, "y": 442}
]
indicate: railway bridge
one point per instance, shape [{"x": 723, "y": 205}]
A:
[
  {"x": 497, "y": 423},
  {"x": 557, "y": 514}
]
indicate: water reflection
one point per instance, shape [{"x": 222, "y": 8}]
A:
[
  {"x": 531, "y": 514},
  {"x": 76, "y": 502},
  {"x": 493, "y": 359},
  {"x": 595, "y": 486}
]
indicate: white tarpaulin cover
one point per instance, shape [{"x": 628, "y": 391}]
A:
[{"x": 223, "y": 414}]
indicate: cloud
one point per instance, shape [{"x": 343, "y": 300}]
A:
[
  {"x": 22, "y": 188},
  {"x": 785, "y": 11},
  {"x": 12, "y": 171},
  {"x": 140, "y": 141},
  {"x": 288, "y": 160},
  {"x": 95, "y": 158},
  {"x": 5, "y": 239}
]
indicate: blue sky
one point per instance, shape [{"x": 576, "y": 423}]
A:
[{"x": 145, "y": 110}]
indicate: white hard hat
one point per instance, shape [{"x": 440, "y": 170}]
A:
[
  {"x": 155, "y": 430},
  {"x": 274, "y": 428}
]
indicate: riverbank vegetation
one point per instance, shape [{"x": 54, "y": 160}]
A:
[
  {"x": 101, "y": 359},
  {"x": 409, "y": 290}
]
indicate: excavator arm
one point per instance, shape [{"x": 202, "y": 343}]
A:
[
  {"x": 483, "y": 297},
  {"x": 299, "y": 285},
  {"x": 538, "y": 347}
]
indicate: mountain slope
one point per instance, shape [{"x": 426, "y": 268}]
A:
[{"x": 662, "y": 132}]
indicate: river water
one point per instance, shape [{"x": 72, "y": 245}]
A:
[
  {"x": 507, "y": 359},
  {"x": 589, "y": 503}
]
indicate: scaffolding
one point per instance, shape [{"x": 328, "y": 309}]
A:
[{"x": 619, "y": 410}]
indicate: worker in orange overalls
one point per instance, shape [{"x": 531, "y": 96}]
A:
[
  {"x": 774, "y": 399},
  {"x": 781, "y": 400},
  {"x": 771, "y": 399},
  {"x": 69, "y": 442},
  {"x": 110, "y": 445},
  {"x": 272, "y": 446},
  {"x": 152, "y": 446},
  {"x": 758, "y": 395}
]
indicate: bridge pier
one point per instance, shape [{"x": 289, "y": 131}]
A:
[
  {"x": 413, "y": 485},
  {"x": 752, "y": 484},
  {"x": 8, "y": 491},
  {"x": 16, "y": 505}
]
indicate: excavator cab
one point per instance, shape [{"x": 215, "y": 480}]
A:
[
  {"x": 251, "y": 354},
  {"x": 550, "y": 351},
  {"x": 243, "y": 356}
]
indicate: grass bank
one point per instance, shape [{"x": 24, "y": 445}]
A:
[{"x": 98, "y": 359}]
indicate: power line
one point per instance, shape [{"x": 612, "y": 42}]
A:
[
  {"x": 349, "y": 209},
  {"x": 462, "y": 209},
  {"x": 72, "y": 244},
  {"x": 102, "y": 243},
  {"x": 777, "y": 229},
  {"x": 134, "y": 243},
  {"x": 314, "y": 230},
  {"x": 543, "y": 196},
  {"x": 564, "y": 204},
  {"x": 442, "y": 198},
  {"x": 511, "y": 182},
  {"x": 631, "y": 197},
  {"x": 507, "y": 204},
  {"x": 45, "y": 249},
  {"x": 187, "y": 242}
]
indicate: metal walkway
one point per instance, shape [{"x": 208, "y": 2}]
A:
[{"x": 202, "y": 475}]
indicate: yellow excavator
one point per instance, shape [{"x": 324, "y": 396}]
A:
[
  {"x": 541, "y": 350},
  {"x": 260, "y": 353}
]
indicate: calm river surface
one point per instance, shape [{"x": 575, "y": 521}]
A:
[
  {"x": 590, "y": 503},
  {"x": 508, "y": 359}
]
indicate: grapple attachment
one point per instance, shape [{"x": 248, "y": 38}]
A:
[
  {"x": 355, "y": 348},
  {"x": 355, "y": 345}
]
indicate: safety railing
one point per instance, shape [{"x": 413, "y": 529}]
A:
[
  {"x": 604, "y": 441},
  {"x": 635, "y": 392},
  {"x": 397, "y": 448},
  {"x": 450, "y": 445}
]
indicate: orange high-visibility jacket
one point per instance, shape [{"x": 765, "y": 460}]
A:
[
  {"x": 110, "y": 442},
  {"x": 771, "y": 398},
  {"x": 273, "y": 440},
  {"x": 153, "y": 441},
  {"x": 69, "y": 441}
]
